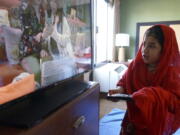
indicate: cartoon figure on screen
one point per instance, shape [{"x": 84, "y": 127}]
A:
[
  {"x": 19, "y": 38},
  {"x": 153, "y": 80},
  {"x": 9, "y": 37},
  {"x": 25, "y": 33},
  {"x": 12, "y": 75}
]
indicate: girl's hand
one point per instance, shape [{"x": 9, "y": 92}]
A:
[{"x": 116, "y": 91}]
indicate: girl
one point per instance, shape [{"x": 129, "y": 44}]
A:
[{"x": 153, "y": 79}]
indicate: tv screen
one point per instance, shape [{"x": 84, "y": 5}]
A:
[{"x": 42, "y": 42}]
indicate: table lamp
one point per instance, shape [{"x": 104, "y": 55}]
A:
[{"x": 121, "y": 41}]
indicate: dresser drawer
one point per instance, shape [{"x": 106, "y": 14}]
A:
[{"x": 79, "y": 117}]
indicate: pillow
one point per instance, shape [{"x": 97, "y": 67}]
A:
[{"x": 17, "y": 89}]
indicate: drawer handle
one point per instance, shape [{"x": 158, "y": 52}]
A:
[{"x": 79, "y": 122}]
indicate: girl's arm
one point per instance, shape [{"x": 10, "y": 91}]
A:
[{"x": 119, "y": 90}]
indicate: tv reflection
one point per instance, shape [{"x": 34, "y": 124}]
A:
[{"x": 49, "y": 39}]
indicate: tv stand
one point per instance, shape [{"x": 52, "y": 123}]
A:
[{"x": 79, "y": 116}]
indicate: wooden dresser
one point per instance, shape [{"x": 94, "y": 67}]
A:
[{"x": 80, "y": 116}]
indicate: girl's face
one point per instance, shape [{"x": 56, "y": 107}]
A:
[
  {"x": 151, "y": 50},
  {"x": 9, "y": 3}
]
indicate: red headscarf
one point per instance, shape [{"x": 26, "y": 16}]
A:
[{"x": 156, "y": 106}]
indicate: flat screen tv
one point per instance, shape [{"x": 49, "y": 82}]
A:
[{"x": 42, "y": 43}]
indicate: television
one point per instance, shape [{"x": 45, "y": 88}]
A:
[{"x": 44, "y": 44}]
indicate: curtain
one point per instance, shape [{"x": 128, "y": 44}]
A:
[{"x": 116, "y": 28}]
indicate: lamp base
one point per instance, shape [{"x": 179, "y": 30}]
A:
[{"x": 121, "y": 54}]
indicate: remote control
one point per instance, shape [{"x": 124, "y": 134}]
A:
[{"x": 120, "y": 97}]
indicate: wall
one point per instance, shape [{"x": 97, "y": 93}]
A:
[{"x": 133, "y": 11}]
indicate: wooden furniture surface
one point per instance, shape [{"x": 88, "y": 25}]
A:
[{"x": 78, "y": 117}]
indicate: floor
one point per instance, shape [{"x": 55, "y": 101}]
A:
[{"x": 107, "y": 105}]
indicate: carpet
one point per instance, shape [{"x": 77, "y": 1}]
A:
[{"x": 110, "y": 123}]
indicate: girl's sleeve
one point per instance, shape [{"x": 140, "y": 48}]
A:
[
  {"x": 122, "y": 81},
  {"x": 153, "y": 108}
]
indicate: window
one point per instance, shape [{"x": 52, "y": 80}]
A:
[{"x": 104, "y": 20}]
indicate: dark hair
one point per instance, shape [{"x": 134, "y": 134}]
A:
[{"x": 157, "y": 33}]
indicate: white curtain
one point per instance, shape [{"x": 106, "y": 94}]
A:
[
  {"x": 110, "y": 31},
  {"x": 116, "y": 25},
  {"x": 113, "y": 23},
  {"x": 101, "y": 35},
  {"x": 108, "y": 23}
]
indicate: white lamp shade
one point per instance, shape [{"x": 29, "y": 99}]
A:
[{"x": 122, "y": 39}]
